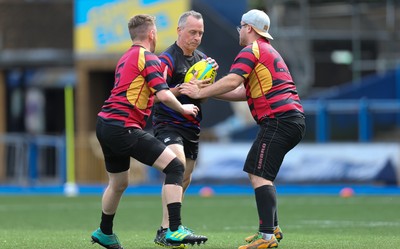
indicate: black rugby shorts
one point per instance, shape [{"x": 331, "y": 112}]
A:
[
  {"x": 120, "y": 143},
  {"x": 275, "y": 138},
  {"x": 187, "y": 138}
]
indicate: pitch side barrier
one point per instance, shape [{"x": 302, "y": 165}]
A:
[
  {"x": 366, "y": 115},
  {"x": 307, "y": 163},
  {"x": 29, "y": 160}
]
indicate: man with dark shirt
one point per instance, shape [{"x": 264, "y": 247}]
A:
[{"x": 178, "y": 131}]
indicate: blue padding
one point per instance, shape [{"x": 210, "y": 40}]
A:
[{"x": 217, "y": 189}]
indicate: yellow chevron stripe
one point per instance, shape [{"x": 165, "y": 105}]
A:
[
  {"x": 178, "y": 235},
  {"x": 182, "y": 235}
]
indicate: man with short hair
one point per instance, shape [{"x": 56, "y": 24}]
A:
[
  {"x": 260, "y": 76},
  {"x": 180, "y": 132},
  {"x": 119, "y": 129}
]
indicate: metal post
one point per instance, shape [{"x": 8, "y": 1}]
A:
[
  {"x": 397, "y": 87},
  {"x": 322, "y": 122},
  {"x": 32, "y": 162},
  {"x": 364, "y": 125},
  {"x": 70, "y": 187},
  {"x": 62, "y": 159}
]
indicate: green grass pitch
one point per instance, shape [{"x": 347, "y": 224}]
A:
[{"x": 307, "y": 221}]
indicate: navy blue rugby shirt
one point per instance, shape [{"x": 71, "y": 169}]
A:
[{"x": 178, "y": 64}]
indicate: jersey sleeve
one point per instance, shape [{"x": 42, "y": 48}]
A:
[
  {"x": 244, "y": 62},
  {"x": 167, "y": 61},
  {"x": 153, "y": 73}
]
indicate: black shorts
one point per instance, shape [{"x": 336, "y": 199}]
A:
[
  {"x": 189, "y": 139},
  {"x": 275, "y": 138},
  {"x": 119, "y": 144}
]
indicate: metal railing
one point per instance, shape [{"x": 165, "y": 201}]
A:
[
  {"x": 364, "y": 109},
  {"x": 30, "y": 159}
]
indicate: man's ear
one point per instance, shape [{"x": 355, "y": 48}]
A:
[{"x": 152, "y": 34}]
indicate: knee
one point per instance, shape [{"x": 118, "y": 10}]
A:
[
  {"x": 187, "y": 178},
  {"x": 119, "y": 186},
  {"x": 123, "y": 186},
  {"x": 257, "y": 181},
  {"x": 174, "y": 172},
  {"x": 186, "y": 182}
]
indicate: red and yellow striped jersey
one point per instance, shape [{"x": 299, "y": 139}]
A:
[
  {"x": 270, "y": 90},
  {"x": 138, "y": 76}
]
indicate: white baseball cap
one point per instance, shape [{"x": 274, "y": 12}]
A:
[{"x": 259, "y": 20}]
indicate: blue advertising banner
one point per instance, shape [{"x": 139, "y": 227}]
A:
[{"x": 101, "y": 26}]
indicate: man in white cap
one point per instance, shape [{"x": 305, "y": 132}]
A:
[
  {"x": 259, "y": 76},
  {"x": 260, "y": 22}
]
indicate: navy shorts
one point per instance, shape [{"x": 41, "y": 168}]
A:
[
  {"x": 121, "y": 143},
  {"x": 275, "y": 138},
  {"x": 189, "y": 139}
]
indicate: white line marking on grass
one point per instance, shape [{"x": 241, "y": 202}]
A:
[
  {"x": 238, "y": 228},
  {"x": 348, "y": 223}
]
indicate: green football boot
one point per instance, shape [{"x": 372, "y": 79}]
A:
[
  {"x": 107, "y": 241},
  {"x": 184, "y": 236},
  {"x": 162, "y": 241}
]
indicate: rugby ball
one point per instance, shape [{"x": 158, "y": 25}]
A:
[{"x": 205, "y": 71}]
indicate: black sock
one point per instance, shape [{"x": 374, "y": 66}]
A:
[
  {"x": 106, "y": 224},
  {"x": 276, "y": 223},
  {"x": 174, "y": 214},
  {"x": 276, "y": 218},
  {"x": 266, "y": 206}
]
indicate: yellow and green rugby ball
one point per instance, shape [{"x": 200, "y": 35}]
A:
[{"x": 205, "y": 71}]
